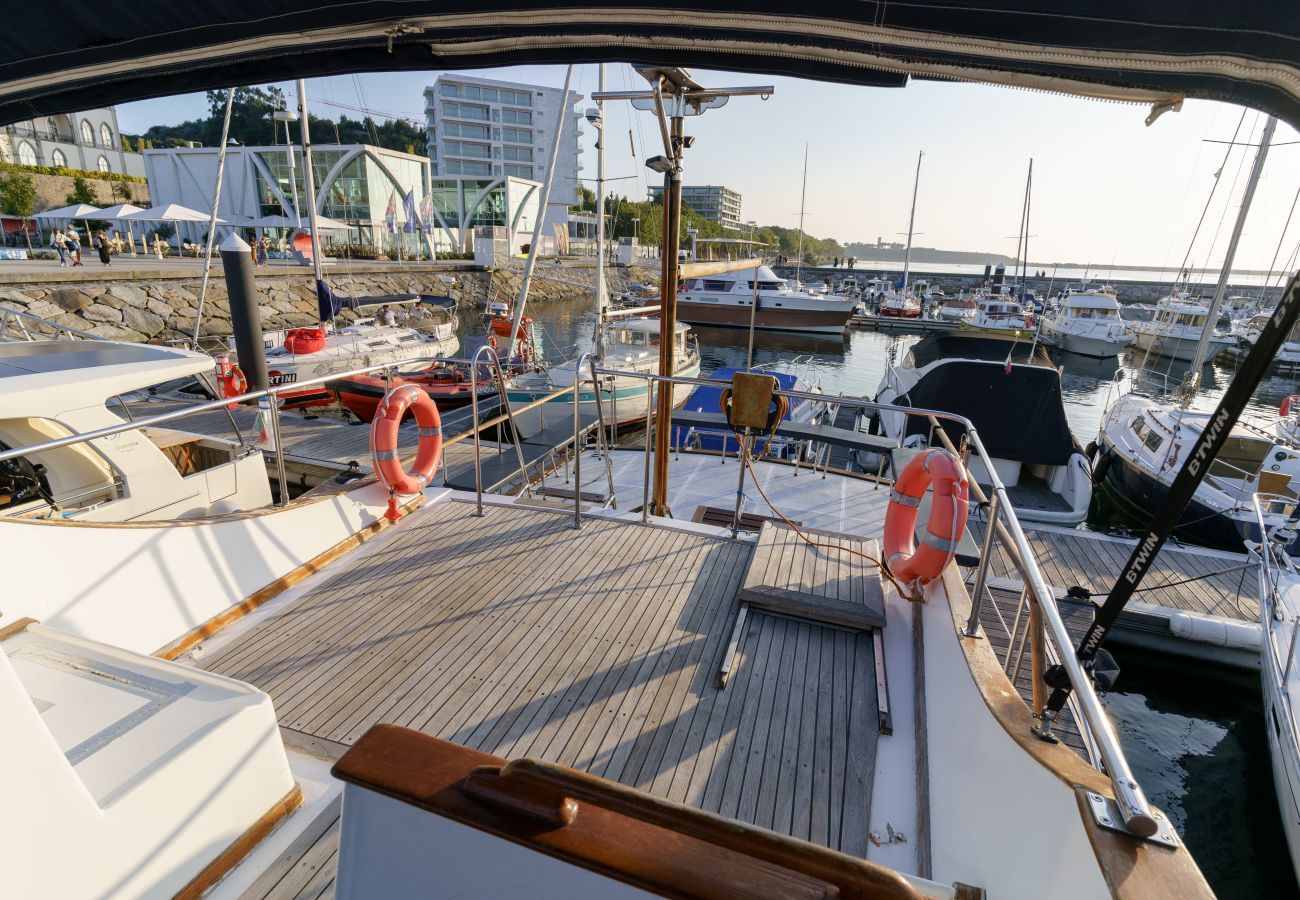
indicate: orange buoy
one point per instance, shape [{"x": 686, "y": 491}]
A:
[
  {"x": 948, "y": 508},
  {"x": 383, "y": 442}
]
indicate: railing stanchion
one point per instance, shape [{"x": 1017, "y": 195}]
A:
[
  {"x": 478, "y": 469},
  {"x": 577, "y": 438},
  {"x": 279, "y": 451},
  {"x": 645, "y": 484},
  {"x": 981, "y": 573},
  {"x": 601, "y": 443}
]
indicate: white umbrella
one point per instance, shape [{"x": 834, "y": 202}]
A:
[
  {"x": 114, "y": 213},
  {"x": 75, "y": 211},
  {"x": 172, "y": 212},
  {"x": 325, "y": 224}
]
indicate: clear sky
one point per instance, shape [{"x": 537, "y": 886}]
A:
[{"x": 1108, "y": 189}]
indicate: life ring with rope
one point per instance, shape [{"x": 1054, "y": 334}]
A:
[
  {"x": 944, "y": 472},
  {"x": 384, "y": 437}
]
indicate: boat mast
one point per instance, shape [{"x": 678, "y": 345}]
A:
[
  {"x": 541, "y": 215},
  {"x": 600, "y": 221},
  {"x": 911, "y": 219},
  {"x": 309, "y": 178},
  {"x": 803, "y": 196},
  {"x": 1022, "y": 236},
  {"x": 1203, "y": 345}
]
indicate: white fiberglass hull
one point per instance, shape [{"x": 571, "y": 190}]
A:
[{"x": 1174, "y": 347}]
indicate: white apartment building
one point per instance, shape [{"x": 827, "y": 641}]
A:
[
  {"x": 712, "y": 201},
  {"x": 489, "y": 129}
]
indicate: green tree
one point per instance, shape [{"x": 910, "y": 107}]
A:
[
  {"x": 18, "y": 198},
  {"x": 121, "y": 191},
  {"x": 81, "y": 192}
]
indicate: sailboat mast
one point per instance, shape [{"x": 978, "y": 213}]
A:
[
  {"x": 600, "y": 221},
  {"x": 1020, "y": 235},
  {"x": 803, "y": 197},
  {"x": 1203, "y": 345},
  {"x": 309, "y": 177},
  {"x": 911, "y": 219},
  {"x": 541, "y": 216},
  {"x": 1029, "y": 199}
]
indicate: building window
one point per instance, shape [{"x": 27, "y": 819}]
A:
[
  {"x": 464, "y": 111},
  {"x": 519, "y": 171},
  {"x": 103, "y": 165},
  {"x": 464, "y": 148},
  {"x": 87, "y": 133},
  {"x": 519, "y": 154},
  {"x": 26, "y": 154},
  {"x": 516, "y": 117},
  {"x": 517, "y": 135},
  {"x": 465, "y": 130},
  {"x": 106, "y": 136},
  {"x": 450, "y": 90},
  {"x": 456, "y": 167},
  {"x": 58, "y": 158}
]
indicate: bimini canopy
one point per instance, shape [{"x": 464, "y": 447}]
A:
[
  {"x": 1018, "y": 415},
  {"x": 1156, "y": 52}
]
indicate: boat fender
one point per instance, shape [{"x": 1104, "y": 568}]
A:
[
  {"x": 1091, "y": 450},
  {"x": 1100, "y": 466},
  {"x": 1215, "y": 630},
  {"x": 305, "y": 340},
  {"x": 948, "y": 509},
  {"x": 384, "y": 439}
]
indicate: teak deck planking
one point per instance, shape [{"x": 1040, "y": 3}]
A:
[{"x": 519, "y": 635}]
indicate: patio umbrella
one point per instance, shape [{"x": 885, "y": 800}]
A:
[
  {"x": 81, "y": 211},
  {"x": 171, "y": 212},
  {"x": 114, "y": 213}
]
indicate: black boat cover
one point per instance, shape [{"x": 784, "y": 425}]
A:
[
  {"x": 934, "y": 347},
  {"x": 62, "y": 57},
  {"x": 1019, "y": 415}
]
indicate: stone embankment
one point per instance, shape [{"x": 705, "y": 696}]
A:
[{"x": 161, "y": 309}]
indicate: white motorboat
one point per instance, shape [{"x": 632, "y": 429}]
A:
[
  {"x": 961, "y": 308},
  {"x": 1000, "y": 313},
  {"x": 56, "y": 388},
  {"x": 420, "y": 331},
  {"x": 631, "y": 346},
  {"x": 727, "y": 299},
  {"x": 1176, "y": 328},
  {"x": 1014, "y": 399},
  {"x": 1087, "y": 321}
]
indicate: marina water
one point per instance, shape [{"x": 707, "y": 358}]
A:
[{"x": 1194, "y": 733}]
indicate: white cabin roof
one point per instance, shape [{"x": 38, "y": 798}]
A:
[
  {"x": 49, "y": 377},
  {"x": 647, "y": 325},
  {"x": 744, "y": 276},
  {"x": 1091, "y": 300}
]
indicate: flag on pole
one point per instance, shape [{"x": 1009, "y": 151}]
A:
[
  {"x": 426, "y": 214},
  {"x": 408, "y": 210},
  {"x": 390, "y": 216}
]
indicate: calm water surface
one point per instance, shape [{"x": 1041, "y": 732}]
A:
[{"x": 1194, "y": 733}]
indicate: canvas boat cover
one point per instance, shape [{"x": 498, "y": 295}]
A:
[
  {"x": 54, "y": 61},
  {"x": 1019, "y": 415}
]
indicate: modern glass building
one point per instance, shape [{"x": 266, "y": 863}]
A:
[{"x": 355, "y": 183}]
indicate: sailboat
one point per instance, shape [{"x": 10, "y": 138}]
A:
[
  {"x": 622, "y": 343},
  {"x": 1147, "y": 432},
  {"x": 900, "y": 302}
]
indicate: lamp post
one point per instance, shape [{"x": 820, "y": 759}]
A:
[
  {"x": 286, "y": 116},
  {"x": 673, "y": 96}
]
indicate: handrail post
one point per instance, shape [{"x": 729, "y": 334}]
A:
[
  {"x": 577, "y": 436},
  {"x": 645, "y": 484},
  {"x": 279, "y": 451},
  {"x": 981, "y": 574},
  {"x": 601, "y": 442},
  {"x": 478, "y": 470}
]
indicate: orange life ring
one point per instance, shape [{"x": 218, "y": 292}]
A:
[
  {"x": 383, "y": 442},
  {"x": 1287, "y": 403},
  {"x": 234, "y": 382},
  {"x": 492, "y": 341},
  {"x": 948, "y": 508}
]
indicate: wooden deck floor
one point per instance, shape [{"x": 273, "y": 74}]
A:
[
  {"x": 518, "y": 635},
  {"x": 306, "y": 868}
]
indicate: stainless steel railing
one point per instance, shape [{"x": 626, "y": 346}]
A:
[{"x": 1139, "y": 817}]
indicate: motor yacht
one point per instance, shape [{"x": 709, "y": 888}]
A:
[
  {"x": 1087, "y": 321},
  {"x": 960, "y": 308},
  {"x": 727, "y": 299},
  {"x": 1176, "y": 328},
  {"x": 1013, "y": 395},
  {"x": 996, "y": 312}
]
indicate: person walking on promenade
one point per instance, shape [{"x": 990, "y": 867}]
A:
[
  {"x": 101, "y": 244},
  {"x": 74, "y": 245},
  {"x": 60, "y": 244}
]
